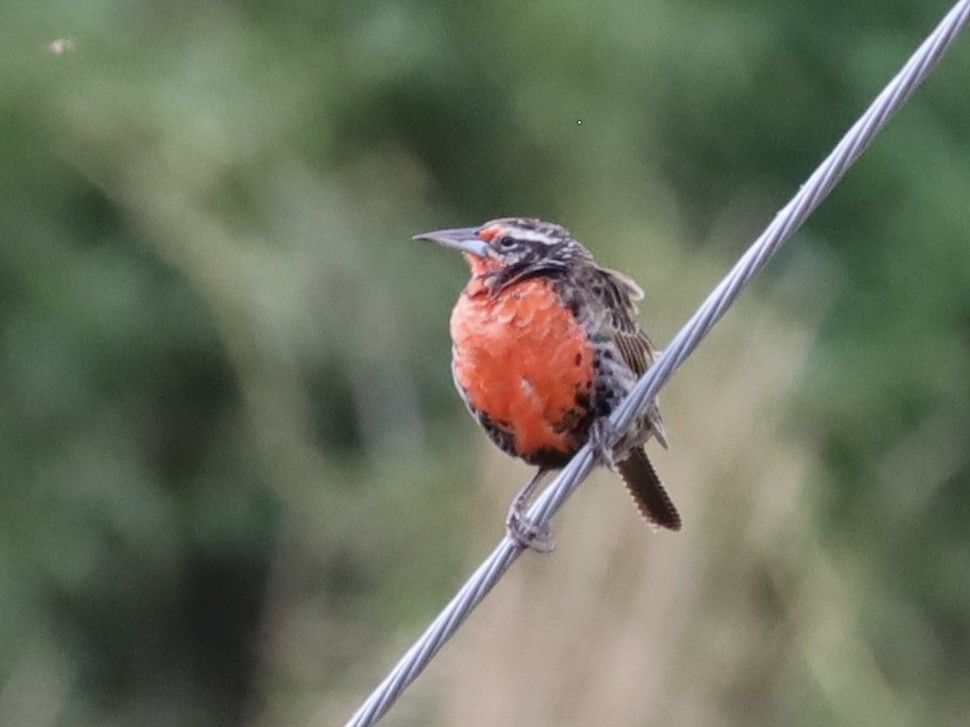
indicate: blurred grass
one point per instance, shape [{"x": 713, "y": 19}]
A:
[{"x": 235, "y": 479}]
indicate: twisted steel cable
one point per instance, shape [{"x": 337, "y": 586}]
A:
[{"x": 784, "y": 225}]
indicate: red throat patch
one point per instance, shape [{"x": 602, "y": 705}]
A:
[{"x": 524, "y": 360}]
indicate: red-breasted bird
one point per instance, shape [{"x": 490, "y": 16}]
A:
[{"x": 545, "y": 346}]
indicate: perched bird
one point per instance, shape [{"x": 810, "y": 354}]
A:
[{"x": 545, "y": 346}]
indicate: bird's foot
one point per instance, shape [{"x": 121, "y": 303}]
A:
[
  {"x": 602, "y": 440},
  {"x": 526, "y": 534},
  {"x": 520, "y": 528}
]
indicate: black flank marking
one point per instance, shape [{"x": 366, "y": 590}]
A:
[
  {"x": 551, "y": 459},
  {"x": 500, "y": 435}
]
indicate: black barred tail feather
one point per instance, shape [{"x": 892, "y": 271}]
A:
[{"x": 644, "y": 484}]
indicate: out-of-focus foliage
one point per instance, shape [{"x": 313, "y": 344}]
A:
[{"x": 234, "y": 478}]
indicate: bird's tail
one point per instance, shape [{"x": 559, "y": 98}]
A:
[{"x": 644, "y": 484}]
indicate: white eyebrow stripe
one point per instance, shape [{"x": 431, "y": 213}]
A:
[{"x": 532, "y": 236}]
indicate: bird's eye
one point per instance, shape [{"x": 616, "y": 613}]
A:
[{"x": 506, "y": 242}]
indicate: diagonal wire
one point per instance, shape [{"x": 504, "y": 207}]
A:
[{"x": 784, "y": 225}]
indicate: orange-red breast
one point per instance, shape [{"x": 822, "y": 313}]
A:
[{"x": 546, "y": 344}]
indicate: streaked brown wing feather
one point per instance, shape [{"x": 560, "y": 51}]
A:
[{"x": 620, "y": 294}]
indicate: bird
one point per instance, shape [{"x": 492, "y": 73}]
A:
[{"x": 545, "y": 345}]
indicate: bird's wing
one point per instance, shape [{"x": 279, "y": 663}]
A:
[{"x": 619, "y": 295}]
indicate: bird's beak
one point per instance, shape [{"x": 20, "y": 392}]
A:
[{"x": 463, "y": 239}]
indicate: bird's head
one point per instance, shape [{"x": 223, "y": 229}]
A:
[{"x": 513, "y": 247}]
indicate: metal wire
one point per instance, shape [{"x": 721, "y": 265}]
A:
[{"x": 784, "y": 225}]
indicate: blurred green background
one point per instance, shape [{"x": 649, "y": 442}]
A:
[{"x": 235, "y": 481}]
